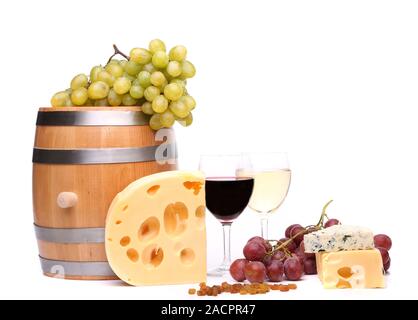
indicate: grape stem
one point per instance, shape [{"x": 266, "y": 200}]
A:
[
  {"x": 324, "y": 214},
  {"x": 318, "y": 226},
  {"x": 117, "y": 51}
]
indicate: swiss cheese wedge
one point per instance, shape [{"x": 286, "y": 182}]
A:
[{"x": 155, "y": 230}]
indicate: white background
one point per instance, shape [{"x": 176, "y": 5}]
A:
[{"x": 334, "y": 83}]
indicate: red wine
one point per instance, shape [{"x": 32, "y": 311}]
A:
[{"x": 226, "y": 198}]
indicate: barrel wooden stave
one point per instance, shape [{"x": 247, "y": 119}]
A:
[{"x": 72, "y": 251}]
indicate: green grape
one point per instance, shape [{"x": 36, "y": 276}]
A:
[
  {"x": 95, "y": 72},
  {"x": 114, "y": 69},
  {"x": 149, "y": 67},
  {"x": 151, "y": 92},
  {"x": 127, "y": 100},
  {"x": 122, "y": 85},
  {"x": 114, "y": 98},
  {"x": 187, "y": 121},
  {"x": 132, "y": 68},
  {"x": 123, "y": 64},
  {"x": 188, "y": 70},
  {"x": 79, "y": 96},
  {"x": 101, "y": 103},
  {"x": 89, "y": 103},
  {"x": 174, "y": 68},
  {"x": 156, "y": 45},
  {"x": 114, "y": 61},
  {"x": 160, "y": 59},
  {"x": 141, "y": 101},
  {"x": 61, "y": 99},
  {"x": 160, "y": 104},
  {"x": 167, "y": 119},
  {"x": 140, "y": 55},
  {"x": 157, "y": 79},
  {"x": 129, "y": 77},
  {"x": 189, "y": 101},
  {"x": 106, "y": 77},
  {"x": 136, "y": 91},
  {"x": 167, "y": 75},
  {"x": 173, "y": 91},
  {"x": 98, "y": 90},
  {"x": 155, "y": 122},
  {"x": 178, "y": 53},
  {"x": 147, "y": 108},
  {"x": 179, "y": 109},
  {"x": 180, "y": 82},
  {"x": 79, "y": 81},
  {"x": 144, "y": 79}
]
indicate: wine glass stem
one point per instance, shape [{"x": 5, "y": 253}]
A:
[
  {"x": 226, "y": 226},
  {"x": 265, "y": 227}
]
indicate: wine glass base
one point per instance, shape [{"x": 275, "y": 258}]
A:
[{"x": 219, "y": 271}]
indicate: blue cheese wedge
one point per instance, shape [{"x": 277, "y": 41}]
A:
[{"x": 339, "y": 238}]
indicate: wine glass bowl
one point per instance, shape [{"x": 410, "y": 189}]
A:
[{"x": 272, "y": 177}]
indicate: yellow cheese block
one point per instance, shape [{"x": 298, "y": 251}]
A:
[
  {"x": 351, "y": 269},
  {"x": 155, "y": 230}
]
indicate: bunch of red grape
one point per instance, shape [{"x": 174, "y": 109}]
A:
[
  {"x": 287, "y": 258},
  {"x": 264, "y": 262}
]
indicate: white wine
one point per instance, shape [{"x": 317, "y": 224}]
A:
[{"x": 270, "y": 189}]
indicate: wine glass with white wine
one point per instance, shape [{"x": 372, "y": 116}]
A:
[{"x": 272, "y": 175}]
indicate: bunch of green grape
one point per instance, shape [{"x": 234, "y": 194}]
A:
[{"x": 150, "y": 78}]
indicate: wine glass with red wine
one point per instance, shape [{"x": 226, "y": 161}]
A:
[{"x": 227, "y": 195}]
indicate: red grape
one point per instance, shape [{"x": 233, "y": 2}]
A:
[
  {"x": 237, "y": 269},
  {"x": 387, "y": 265},
  {"x": 267, "y": 260},
  {"x": 278, "y": 255},
  {"x": 254, "y": 251},
  {"x": 255, "y": 271},
  {"x": 307, "y": 254},
  {"x": 385, "y": 255},
  {"x": 289, "y": 228},
  {"x": 262, "y": 241},
  {"x": 297, "y": 231},
  {"x": 331, "y": 222},
  {"x": 293, "y": 269},
  {"x": 382, "y": 241},
  {"x": 311, "y": 229},
  {"x": 275, "y": 271},
  {"x": 299, "y": 256},
  {"x": 291, "y": 246},
  {"x": 310, "y": 266}
]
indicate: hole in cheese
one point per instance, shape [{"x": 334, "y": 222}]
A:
[
  {"x": 195, "y": 185},
  {"x": 152, "y": 256},
  {"x": 200, "y": 212},
  {"x": 175, "y": 218},
  {"x": 200, "y": 215},
  {"x": 125, "y": 241},
  {"x": 153, "y": 190},
  {"x": 149, "y": 229},
  {"x": 342, "y": 284},
  {"x": 345, "y": 272},
  {"x": 125, "y": 208},
  {"x": 187, "y": 256},
  {"x": 132, "y": 255},
  {"x": 118, "y": 222}
]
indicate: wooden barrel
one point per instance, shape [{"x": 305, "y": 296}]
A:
[{"x": 84, "y": 156}]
